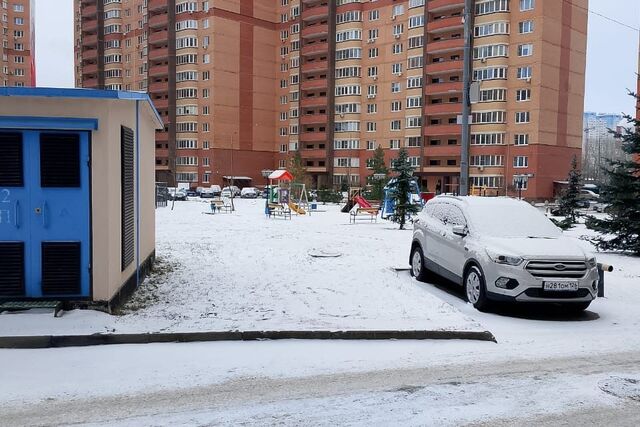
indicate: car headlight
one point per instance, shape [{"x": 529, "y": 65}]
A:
[
  {"x": 504, "y": 258},
  {"x": 591, "y": 262}
]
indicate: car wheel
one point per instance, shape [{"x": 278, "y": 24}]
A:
[
  {"x": 475, "y": 289},
  {"x": 418, "y": 269},
  {"x": 575, "y": 307}
]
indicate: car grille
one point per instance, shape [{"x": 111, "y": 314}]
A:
[
  {"x": 557, "y": 269},
  {"x": 540, "y": 293}
]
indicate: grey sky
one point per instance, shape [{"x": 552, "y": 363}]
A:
[{"x": 612, "y": 53}]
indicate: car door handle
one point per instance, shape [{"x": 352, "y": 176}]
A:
[{"x": 17, "y": 214}]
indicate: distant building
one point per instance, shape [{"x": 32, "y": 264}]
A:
[
  {"x": 17, "y": 51},
  {"x": 598, "y": 142}
]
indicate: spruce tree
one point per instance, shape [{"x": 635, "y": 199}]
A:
[
  {"x": 621, "y": 194},
  {"x": 570, "y": 200},
  {"x": 297, "y": 169},
  {"x": 379, "y": 167},
  {"x": 401, "y": 188}
]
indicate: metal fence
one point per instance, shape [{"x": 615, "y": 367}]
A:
[{"x": 162, "y": 195}]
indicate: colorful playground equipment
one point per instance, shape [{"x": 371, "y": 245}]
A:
[
  {"x": 388, "y": 208},
  {"x": 285, "y": 196}
]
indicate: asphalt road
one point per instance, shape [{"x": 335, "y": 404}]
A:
[{"x": 482, "y": 394}]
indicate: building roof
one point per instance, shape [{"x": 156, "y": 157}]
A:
[
  {"x": 82, "y": 93},
  {"x": 281, "y": 174}
]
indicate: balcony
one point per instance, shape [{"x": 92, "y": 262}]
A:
[
  {"x": 314, "y": 84},
  {"x": 441, "y": 169},
  {"x": 89, "y": 11},
  {"x": 309, "y": 67},
  {"x": 159, "y": 70},
  {"x": 444, "y": 108},
  {"x": 315, "y": 48},
  {"x": 156, "y": 54},
  {"x": 90, "y": 69},
  {"x": 440, "y": 88},
  {"x": 316, "y": 169},
  {"x": 156, "y": 5},
  {"x": 90, "y": 83},
  {"x": 313, "y": 137},
  {"x": 434, "y": 130},
  {"x": 308, "y": 119},
  {"x": 90, "y": 25},
  {"x": 314, "y": 13},
  {"x": 313, "y": 101},
  {"x": 317, "y": 30},
  {"x": 443, "y": 67},
  {"x": 90, "y": 55},
  {"x": 158, "y": 21},
  {"x": 90, "y": 40},
  {"x": 445, "y": 24},
  {"x": 442, "y": 5},
  {"x": 158, "y": 87},
  {"x": 162, "y": 137},
  {"x": 442, "y": 150},
  {"x": 159, "y": 37},
  {"x": 313, "y": 154},
  {"x": 445, "y": 45}
]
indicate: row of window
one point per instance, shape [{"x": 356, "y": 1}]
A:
[{"x": 500, "y": 73}]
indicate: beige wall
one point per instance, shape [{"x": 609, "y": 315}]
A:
[{"x": 105, "y": 177}]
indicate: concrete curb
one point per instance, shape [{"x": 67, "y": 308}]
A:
[{"x": 50, "y": 341}]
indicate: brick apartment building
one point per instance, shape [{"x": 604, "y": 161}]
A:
[
  {"x": 242, "y": 85},
  {"x": 17, "y": 52}
]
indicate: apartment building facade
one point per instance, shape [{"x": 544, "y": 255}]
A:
[
  {"x": 245, "y": 85},
  {"x": 17, "y": 51}
]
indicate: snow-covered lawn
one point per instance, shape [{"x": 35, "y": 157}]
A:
[{"x": 242, "y": 271}]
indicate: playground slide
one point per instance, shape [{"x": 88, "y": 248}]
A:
[
  {"x": 364, "y": 203},
  {"x": 297, "y": 209}
]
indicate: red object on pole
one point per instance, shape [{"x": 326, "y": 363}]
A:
[{"x": 426, "y": 196}]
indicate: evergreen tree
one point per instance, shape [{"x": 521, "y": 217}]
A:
[
  {"x": 401, "y": 188},
  {"x": 570, "y": 200},
  {"x": 297, "y": 169},
  {"x": 379, "y": 167},
  {"x": 621, "y": 194}
]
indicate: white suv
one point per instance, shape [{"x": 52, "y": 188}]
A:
[{"x": 501, "y": 249}]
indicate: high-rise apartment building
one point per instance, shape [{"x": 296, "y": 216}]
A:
[
  {"x": 243, "y": 85},
  {"x": 17, "y": 52}
]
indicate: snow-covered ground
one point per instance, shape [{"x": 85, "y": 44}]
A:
[{"x": 243, "y": 271}]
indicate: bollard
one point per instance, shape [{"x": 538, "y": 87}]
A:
[{"x": 601, "y": 269}]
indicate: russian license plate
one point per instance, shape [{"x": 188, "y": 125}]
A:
[{"x": 560, "y": 286}]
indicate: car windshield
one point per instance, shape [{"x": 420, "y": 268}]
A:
[{"x": 512, "y": 220}]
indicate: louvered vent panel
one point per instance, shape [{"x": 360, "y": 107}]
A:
[
  {"x": 61, "y": 268},
  {"x": 11, "y": 269},
  {"x": 127, "y": 194},
  {"x": 59, "y": 160},
  {"x": 11, "y": 160}
]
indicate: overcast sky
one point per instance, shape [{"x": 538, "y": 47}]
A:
[{"x": 612, "y": 53}]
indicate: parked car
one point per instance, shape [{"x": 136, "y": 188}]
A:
[
  {"x": 249, "y": 193},
  {"x": 207, "y": 193},
  {"x": 227, "y": 191},
  {"x": 589, "y": 195},
  {"x": 501, "y": 249},
  {"x": 177, "y": 193},
  {"x": 192, "y": 193},
  {"x": 216, "y": 190}
]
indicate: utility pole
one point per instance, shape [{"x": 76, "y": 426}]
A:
[
  {"x": 466, "y": 103},
  {"x": 233, "y": 208}
]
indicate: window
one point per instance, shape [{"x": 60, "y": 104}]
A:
[
  {"x": 395, "y": 125},
  {"x": 413, "y": 141},
  {"x": 414, "y": 122},
  {"x": 488, "y": 117},
  {"x": 522, "y": 117},
  {"x": 487, "y": 139},
  {"x": 373, "y": 34},
  {"x": 187, "y": 127},
  {"x": 187, "y": 110},
  {"x": 414, "y": 102},
  {"x": 189, "y": 6},
  {"x": 372, "y": 91},
  {"x": 398, "y": 10},
  {"x": 372, "y": 108},
  {"x": 396, "y": 68},
  {"x": 525, "y": 49},
  {"x": 416, "y": 21},
  {"x": 185, "y": 42},
  {"x": 521, "y": 139},
  {"x": 415, "y": 42},
  {"x": 347, "y": 35},
  {"x": 283, "y": 148},
  {"x": 371, "y": 145},
  {"x": 344, "y": 90},
  {"x": 525, "y": 27},
  {"x": 190, "y": 24},
  {"x": 394, "y": 144},
  {"x": 520, "y": 162},
  {"x": 524, "y": 72},
  {"x": 395, "y": 87},
  {"x": 350, "y": 16},
  {"x": 492, "y": 95},
  {"x": 490, "y": 73},
  {"x": 186, "y": 143},
  {"x": 206, "y": 177},
  {"x": 374, "y": 15},
  {"x": 398, "y": 29},
  {"x": 372, "y": 71},
  {"x": 413, "y": 82},
  {"x": 415, "y": 3},
  {"x": 183, "y": 76},
  {"x": 205, "y": 161},
  {"x": 488, "y": 181},
  {"x": 414, "y": 62},
  {"x": 523, "y": 95},
  {"x": 396, "y": 106},
  {"x": 527, "y": 5},
  {"x": 349, "y": 126},
  {"x": 491, "y": 28},
  {"x": 396, "y": 48},
  {"x": 187, "y": 161},
  {"x": 373, "y": 52},
  {"x": 187, "y": 93},
  {"x": 492, "y": 6},
  {"x": 346, "y": 144},
  {"x": 355, "y": 52},
  {"x": 489, "y": 51},
  {"x": 18, "y": 21},
  {"x": 487, "y": 160},
  {"x": 371, "y": 126}
]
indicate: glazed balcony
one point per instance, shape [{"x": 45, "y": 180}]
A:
[
  {"x": 313, "y": 101},
  {"x": 313, "y": 13},
  {"x": 313, "y": 31},
  {"x": 445, "y": 24},
  {"x": 156, "y": 54},
  {"x": 443, "y": 88},
  {"x": 310, "y": 67},
  {"x": 442, "y": 5},
  {"x": 443, "y": 67},
  {"x": 443, "y": 108},
  {"x": 313, "y": 137},
  {"x": 314, "y": 48},
  {"x": 308, "y": 119},
  {"x": 448, "y": 45},
  {"x": 447, "y": 129},
  {"x": 314, "y": 84}
]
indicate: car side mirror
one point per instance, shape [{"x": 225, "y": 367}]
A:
[{"x": 459, "y": 230}]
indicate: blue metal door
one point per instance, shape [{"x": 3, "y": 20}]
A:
[{"x": 49, "y": 216}]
